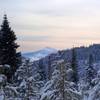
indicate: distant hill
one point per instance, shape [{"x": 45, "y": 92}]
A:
[
  {"x": 39, "y": 54},
  {"x": 83, "y": 52}
]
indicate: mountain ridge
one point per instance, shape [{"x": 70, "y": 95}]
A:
[{"x": 36, "y": 55}]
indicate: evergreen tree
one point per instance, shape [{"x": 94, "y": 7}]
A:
[
  {"x": 8, "y": 46},
  {"x": 19, "y": 58},
  {"x": 90, "y": 70},
  {"x": 56, "y": 84},
  {"x": 49, "y": 68},
  {"x": 42, "y": 70},
  {"x": 62, "y": 81},
  {"x": 74, "y": 66},
  {"x": 58, "y": 87}
]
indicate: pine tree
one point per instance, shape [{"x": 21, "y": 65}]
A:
[
  {"x": 42, "y": 70},
  {"x": 58, "y": 87},
  {"x": 62, "y": 81},
  {"x": 8, "y": 46},
  {"x": 90, "y": 70},
  {"x": 56, "y": 84},
  {"x": 49, "y": 68},
  {"x": 74, "y": 66}
]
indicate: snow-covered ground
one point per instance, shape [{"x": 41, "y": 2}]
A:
[{"x": 33, "y": 56}]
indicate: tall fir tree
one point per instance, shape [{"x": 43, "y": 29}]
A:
[
  {"x": 62, "y": 81},
  {"x": 49, "y": 68},
  {"x": 91, "y": 73},
  {"x": 8, "y": 46},
  {"x": 74, "y": 66},
  {"x": 42, "y": 70}
]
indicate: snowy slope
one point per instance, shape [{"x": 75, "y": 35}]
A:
[
  {"x": 51, "y": 89},
  {"x": 39, "y": 54}
]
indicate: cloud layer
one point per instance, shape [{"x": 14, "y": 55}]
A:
[{"x": 54, "y": 23}]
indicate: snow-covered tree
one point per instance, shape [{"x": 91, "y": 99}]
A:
[
  {"x": 58, "y": 88},
  {"x": 41, "y": 70},
  {"x": 74, "y": 66},
  {"x": 49, "y": 68},
  {"x": 28, "y": 80},
  {"x": 90, "y": 71}
]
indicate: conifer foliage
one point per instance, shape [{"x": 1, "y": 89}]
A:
[
  {"x": 8, "y": 46},
  {"x": 41, "y": 70},
  {"x": 91, "y": 73},
  {"x": 74, "y": 66}
]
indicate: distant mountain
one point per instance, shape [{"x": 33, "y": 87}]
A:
[{"x": 33, "y": 56}]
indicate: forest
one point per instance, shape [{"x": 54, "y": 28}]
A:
[{"x": 71, "y": 74}]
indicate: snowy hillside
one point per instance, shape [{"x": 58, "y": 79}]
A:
[
  {"x": 51, "y": 78},
  {"x": 39, "y": 54}
]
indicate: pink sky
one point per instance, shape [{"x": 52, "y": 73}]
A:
[{"x": 53, "y": 23}]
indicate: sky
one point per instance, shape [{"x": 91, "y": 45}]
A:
[{"x": 58, "y": 24}]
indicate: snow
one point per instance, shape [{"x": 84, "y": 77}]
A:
[
  {"x": 14, "y": 89},
  {"x": 49, "y": 94},
  {"x": 93, "y": 92},
  {"x": 28, "y": 79},
  {"x": 3, "y": 79},
  {"x": 1, "y": 97},
  {"x": 1, "y": 94},
  {"x": 23, "y": 83},
  {"x": 7, "y": 66}
]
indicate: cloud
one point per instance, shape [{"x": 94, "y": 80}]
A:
[
  {"x": 54, "y": 21},
  {"x": 33, "y": 37}
]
